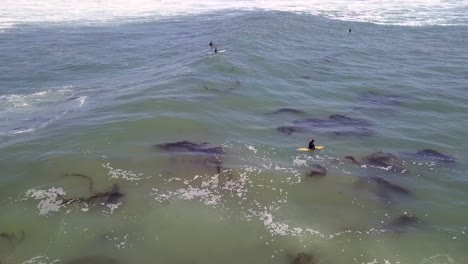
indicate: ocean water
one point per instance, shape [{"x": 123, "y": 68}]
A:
[{"x": 89, "y": 89}]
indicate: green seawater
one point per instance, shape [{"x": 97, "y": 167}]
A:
[{"x": 96, "y": 100}]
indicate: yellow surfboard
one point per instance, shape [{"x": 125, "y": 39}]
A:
[{"x": 308, "y": 149}]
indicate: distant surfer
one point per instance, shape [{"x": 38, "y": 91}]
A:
[
  {"x": 211, "y": 43},
  {"x": 349, "y": 31},
  {"x": 311, "y": 144},
  {"x": 216, "y": 50}
]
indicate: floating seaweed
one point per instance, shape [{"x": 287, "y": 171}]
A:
[
  {"x": 86, "y": 177},
  {"x": 317, "y": 171},
  {"x": 108, "y": 197},
  {"x": 111, "y": 196}
]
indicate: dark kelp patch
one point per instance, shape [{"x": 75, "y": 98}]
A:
[{"x": 111, "y": 196}]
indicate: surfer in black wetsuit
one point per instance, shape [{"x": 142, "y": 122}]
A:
[
  {"x": 349, "y": 31},
  {"x": 311, "y": 144},
  {"x": 211, "y": 43},
  {"x": 216, "y": 50}
]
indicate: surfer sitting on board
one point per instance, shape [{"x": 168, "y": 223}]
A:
[{"x": 311, "y": 144}]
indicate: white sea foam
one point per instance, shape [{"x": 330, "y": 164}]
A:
[
  {"x": 122, "y": 174},
  {"x": 23, "y": 113},
  {"x": 49, "y": 199},
  {"x": 41, "y": 260},
  {"x": 402, "y": 12}
]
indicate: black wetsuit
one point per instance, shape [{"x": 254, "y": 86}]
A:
[{"x": 311, "y": 145}]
